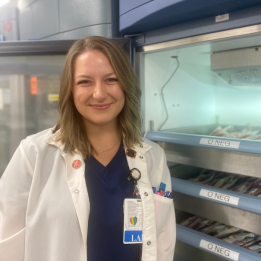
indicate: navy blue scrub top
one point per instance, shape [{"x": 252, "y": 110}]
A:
[{"x": 107, "y": 188}]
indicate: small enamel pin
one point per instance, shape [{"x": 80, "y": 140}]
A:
[
  {"x": 76, "y": 164},
  {"x": 131, "y": 153}
]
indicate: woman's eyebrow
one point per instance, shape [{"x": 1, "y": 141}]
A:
[
  {"x": 88, "y": 76},
  {"x": 83, "y": 75},
  {"x": 109, "y": 74}
]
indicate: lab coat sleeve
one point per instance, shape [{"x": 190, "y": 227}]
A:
[
  {"x": 14, "y": 192},
  {"x": 167, "y": 237}
]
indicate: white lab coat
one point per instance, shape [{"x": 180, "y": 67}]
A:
[{"x": 44, "y": 204}]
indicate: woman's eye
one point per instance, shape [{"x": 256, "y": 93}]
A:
[
  {"x": 84, "y": 82},
  {"x": 112, "y": 80}
]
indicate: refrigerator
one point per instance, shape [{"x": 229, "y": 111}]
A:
[
  {"x": 201, "y": 102},
  {"x": 30, "y": 73}
]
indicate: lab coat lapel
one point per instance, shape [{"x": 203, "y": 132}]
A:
[
  {"x": 139, "y": 162},
  {"x": 77, "y": 186},
  {"x": 146, "y": 194}
]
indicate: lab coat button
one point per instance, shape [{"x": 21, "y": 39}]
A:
[
  {"x": 141, "y": 146},
  {"x": 141, "y": 157},
  {"x": 76, "y": 191},
  {"x": 146, "y": 194},
  {"x": 148, "y": 243}
]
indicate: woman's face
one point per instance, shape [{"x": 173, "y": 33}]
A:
[{"x": 97, "y": 94}]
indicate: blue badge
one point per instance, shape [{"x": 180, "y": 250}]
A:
[{"x": 133, "y": 236}]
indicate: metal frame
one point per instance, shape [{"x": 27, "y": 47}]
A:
[
  {"x": 237, "y": 19},
  {"x": 60, "y": 47},
  {"x": 224, "y": 35},
  {"x": 35, "y": 47}
]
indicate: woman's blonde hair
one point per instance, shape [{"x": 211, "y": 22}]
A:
[{"x": 71, "y": 126}]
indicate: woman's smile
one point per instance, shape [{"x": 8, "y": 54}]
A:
[{"x": 101, "y": 106}]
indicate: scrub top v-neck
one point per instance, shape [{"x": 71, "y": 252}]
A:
[{"x": 107, "y": 188}]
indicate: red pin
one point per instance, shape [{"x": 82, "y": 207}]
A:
[{"x": 76, "y": 164}]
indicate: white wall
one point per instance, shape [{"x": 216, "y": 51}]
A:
[
  {"x": 202, "y": 96},
  {"x": 185, "y": 95},
  {"x": 237, "y": 106}
]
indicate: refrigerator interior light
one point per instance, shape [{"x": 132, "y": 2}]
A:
[{"x": 4, "y": 2}]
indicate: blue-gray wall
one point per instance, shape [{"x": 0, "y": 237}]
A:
[
  {"x": 9, "y": 23},
  {"x": 67, "y": 19}
]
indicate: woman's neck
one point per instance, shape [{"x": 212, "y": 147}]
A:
[{"x": 102, "y": 137}]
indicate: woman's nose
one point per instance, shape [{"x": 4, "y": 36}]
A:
[{"x": 99, "y": 91}]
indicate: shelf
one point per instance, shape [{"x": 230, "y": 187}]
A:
[
  {"x": 236, "y": 217},
  {"x": 188, "y": 252},
  {"x": 231, "y": 161},
  {"x": 219, "y": 247},
  {"x": 245, "y": 215},
  {"x": 217, "y": 195},
  {"x": 247, "y": 146}
]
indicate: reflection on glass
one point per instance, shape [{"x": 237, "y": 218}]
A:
[
  {"x": 29, "y": 88},
  {"x": 216, "y": 89}
]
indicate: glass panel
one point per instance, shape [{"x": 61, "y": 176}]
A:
[
  {"x": 29, "y": 88},
  {"x": 209, "y": 89}
]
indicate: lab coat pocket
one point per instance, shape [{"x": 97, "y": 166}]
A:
[{"x": 162, "y": 206}]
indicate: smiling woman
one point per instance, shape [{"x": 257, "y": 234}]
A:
[
  {"x": 99, "y": 87},
  {"x": 85, "y": 189}
]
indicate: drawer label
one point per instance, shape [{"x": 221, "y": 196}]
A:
[
  {"x": 220, "y": 143},
  {"x": 222, "y": 251},
  {"x": 219, "y": 196}
]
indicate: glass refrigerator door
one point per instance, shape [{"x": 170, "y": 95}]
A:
[
  {"x": 30, "y": 75},
  {"x": 29, "y": 93},
  {"x": 209, "y": 88}
]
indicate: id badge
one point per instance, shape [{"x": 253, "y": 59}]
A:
[{"x": 132, "y": 233}]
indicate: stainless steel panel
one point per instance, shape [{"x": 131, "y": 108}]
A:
[
  {"x": 184, "y": 172},
  {"x": 46, "y": 47},
  {"x": 239, "y": 32},
  {"x": 99, "y": 30},
  {"x": 25, "y": 23},
  {"x": 190, "y": 253},
  {"x": 35, "y": 48},
  {"x": 228, "y": 215},
  {"x": 23, "y": 3},
  {"x": 139, "y": 70},
  {"x": 45, "y": 15},
  {"x": 215, "y": 159},
  {"x": 8, "y": 13},
  {"x": 236, "y": 59},
  {"x": 82, "y": 13}
]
